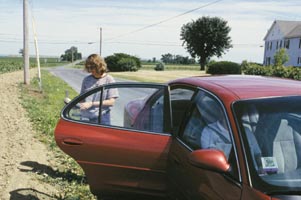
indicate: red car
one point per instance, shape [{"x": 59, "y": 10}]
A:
[{"x": 218, "y": 137}]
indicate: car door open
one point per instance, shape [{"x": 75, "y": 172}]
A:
[{"x": 130, "y": 152}]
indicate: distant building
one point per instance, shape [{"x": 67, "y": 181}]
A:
[{"x": 283, "y": 34}]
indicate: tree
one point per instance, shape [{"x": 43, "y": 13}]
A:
[
  {"x": 159, "y": 66},
  {"x": 206, "y": 37},
  {"x": 167, "y": 58},
  {"x": 127, "y": 64},
  {"x": 176, "y": 59},
  {"x": 280, "y": 57},
  {"x": 71, "y": 54}
]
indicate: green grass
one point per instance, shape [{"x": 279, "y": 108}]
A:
[{"x": 44, "y": 109}]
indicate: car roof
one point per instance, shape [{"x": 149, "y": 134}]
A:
[{"x": 234, "y": 87}]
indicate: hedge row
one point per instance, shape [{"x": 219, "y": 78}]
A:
[
  {"x": 223, "y": 67},
  {"x": 281, "y": 71}
]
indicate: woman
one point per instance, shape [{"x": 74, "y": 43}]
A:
[{"x": 96, "y": 65}]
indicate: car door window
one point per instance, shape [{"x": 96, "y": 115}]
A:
[
  {"x": 207, "y": 127},
  {"x": 141, "y": 107},
  {"x": 89, "y": 115}
]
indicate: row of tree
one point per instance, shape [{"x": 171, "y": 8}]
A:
[
  {"x": 203, "y": 38},
  {"x": 177, "y": 59}
]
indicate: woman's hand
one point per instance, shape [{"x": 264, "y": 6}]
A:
[{"x": 86, "y": 105}]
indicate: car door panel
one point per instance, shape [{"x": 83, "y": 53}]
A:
[
  {"x": 196, "y": 183},
  {"x": 115, "y": 157}
]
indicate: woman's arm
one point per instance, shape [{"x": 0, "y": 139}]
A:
[{"x": 87, "y": 105}]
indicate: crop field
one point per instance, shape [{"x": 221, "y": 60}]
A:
[{"x": 10, "y": 64}]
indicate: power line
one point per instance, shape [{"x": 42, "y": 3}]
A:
[
  {"x": 146, "y": 43},
  {"x": 168, "y": 19},
  {"x": 175, "y": 44}
]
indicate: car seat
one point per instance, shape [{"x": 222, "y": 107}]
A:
[
  {"x": 284, "y": 148},
  {"x": 278, "y": 139}
]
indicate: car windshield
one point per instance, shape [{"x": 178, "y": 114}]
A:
[{"x": 271, "y": 131}]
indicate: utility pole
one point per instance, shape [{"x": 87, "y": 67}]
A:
[
  {"x": 100, "y": 37},
  {"x": 72, "y": 55},
  {"x": 25, "y": 43}
]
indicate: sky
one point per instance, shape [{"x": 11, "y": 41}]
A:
[{"x": 143, "y": 28}]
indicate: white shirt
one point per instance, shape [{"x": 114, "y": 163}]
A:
[{"x": 215, "y": 136}]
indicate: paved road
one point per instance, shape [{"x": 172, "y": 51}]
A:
[{"x": 72, "y": 76}]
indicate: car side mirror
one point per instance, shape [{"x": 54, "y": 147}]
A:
[
  {"x": 67, "y": 99},
  {"x": 211, "y": 159}
]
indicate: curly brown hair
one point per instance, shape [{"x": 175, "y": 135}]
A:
[{"x": 95, "y": 61}]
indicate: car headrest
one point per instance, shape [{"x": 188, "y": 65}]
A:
[{"x": 250, "y": 117}]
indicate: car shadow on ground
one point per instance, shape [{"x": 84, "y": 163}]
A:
[
  {"x": 46, "y": 171},
  {"x": 28, "y": 194},
  {"x": 41, "y": 169}
]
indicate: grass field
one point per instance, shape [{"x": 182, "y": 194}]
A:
[
  {"x": 169, "y": 67},
  {"x": 157, "y": 76},
  {"x": 148, "y": 74}
]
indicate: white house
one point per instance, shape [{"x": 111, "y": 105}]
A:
[{"x": 283, "y": 34}]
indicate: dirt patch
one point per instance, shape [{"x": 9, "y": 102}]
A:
[{"x": 22, "y": 156}]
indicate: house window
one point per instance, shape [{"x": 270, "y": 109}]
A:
[
  {"x": 287, "y": 44},
  {"x": 277, "y": 44},
  {"x": 268, "y": 61},
  {"x": 299, "y": 60},
  {"x": 300, "y": 43},
  {"x": 271, "y": 45},
  {"x": 280, "y": 44}
]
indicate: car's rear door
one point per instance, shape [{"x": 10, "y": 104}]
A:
[{"x": 130, "y": 153}]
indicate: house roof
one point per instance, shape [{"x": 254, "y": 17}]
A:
[
  {"x": 296, "y": 32},
  {"x": 289, "y": 29}
]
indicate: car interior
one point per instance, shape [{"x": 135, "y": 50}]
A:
[
  {"x": 278, "y": 136},
  {"x": 204, "y": 113},
  {"x": 179, "y": 108}
]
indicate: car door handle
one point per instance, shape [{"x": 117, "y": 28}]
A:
[{"x": 72, "y": 141}]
